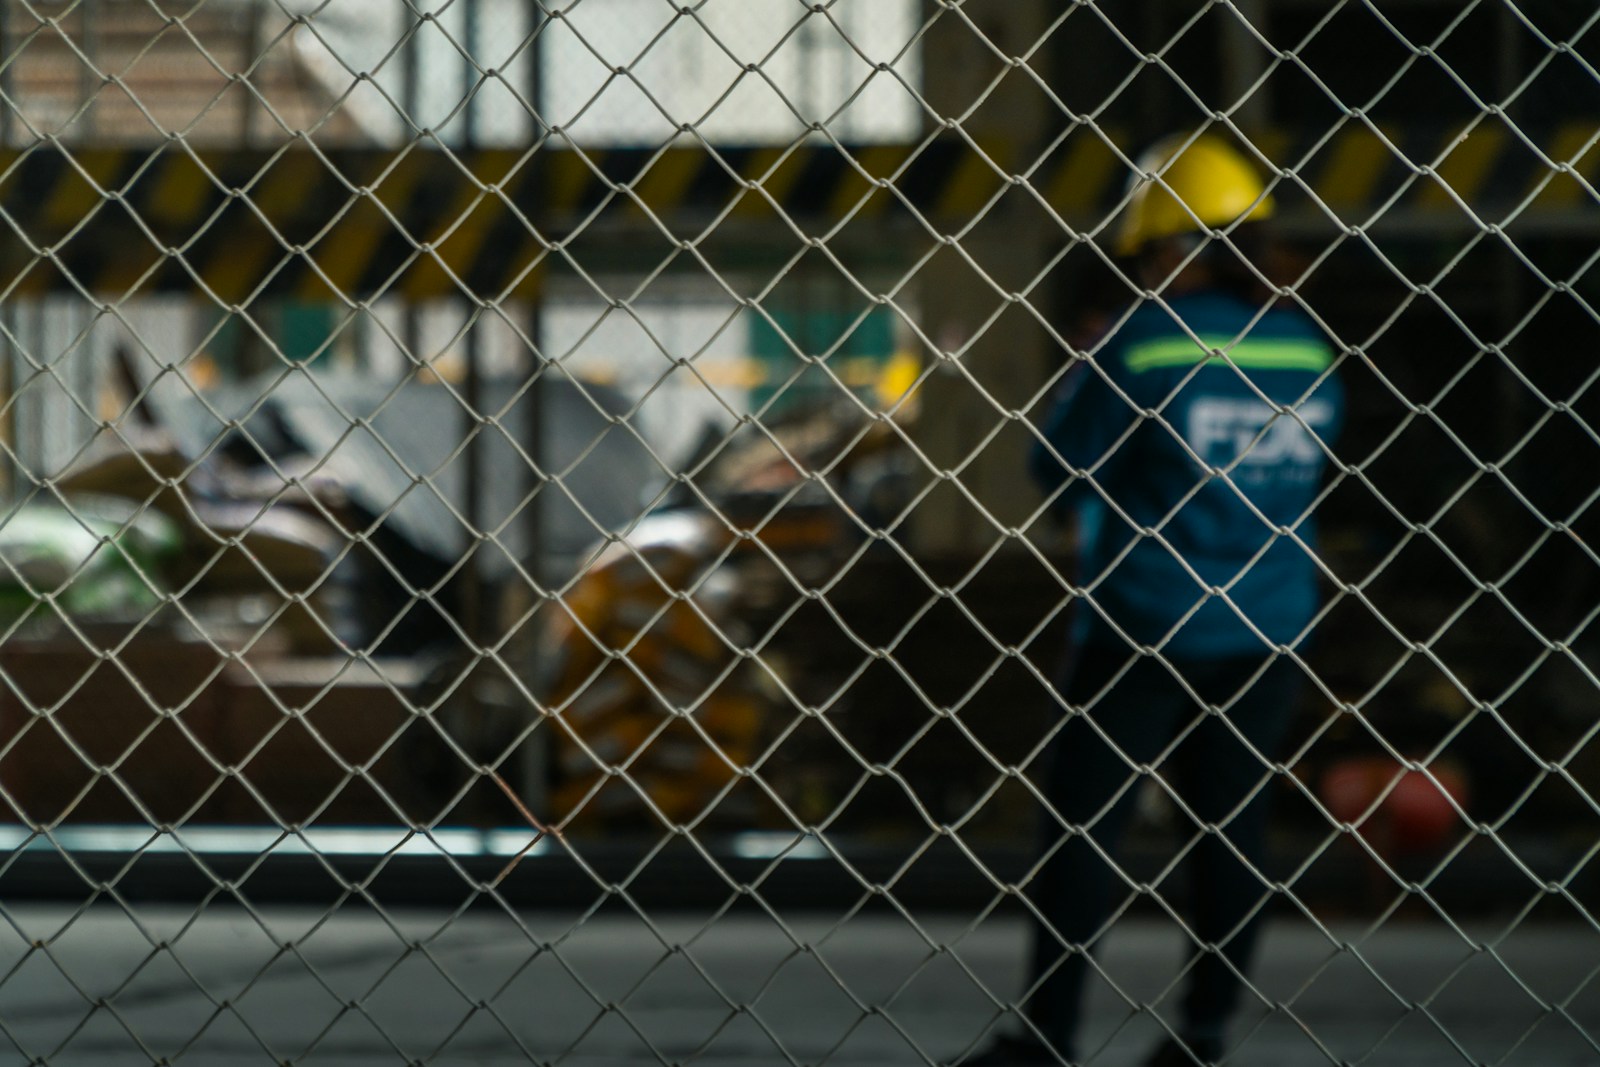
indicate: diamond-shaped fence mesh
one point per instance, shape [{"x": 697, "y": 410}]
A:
[{"x": 893, "y": 531}]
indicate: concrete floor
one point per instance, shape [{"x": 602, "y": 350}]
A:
[{"x": 226, "y": 986}]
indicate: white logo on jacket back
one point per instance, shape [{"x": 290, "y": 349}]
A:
[{"x": 1246, "y": 434}]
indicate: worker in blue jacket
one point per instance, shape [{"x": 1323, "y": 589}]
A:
[{"x": 1189, "y": 447}]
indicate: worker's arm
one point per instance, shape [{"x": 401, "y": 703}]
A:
[{"x": 1083, "y": 430}]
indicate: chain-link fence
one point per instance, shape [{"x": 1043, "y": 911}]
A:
[{"x": 918, "y": 531}]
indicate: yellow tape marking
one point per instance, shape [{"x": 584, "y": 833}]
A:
[
  {"x": 973, "y": 183},
  {"x": 1465, "y": 168},
  {"x": 1577, "y": 144},
  {"x": 74, "y": 195},
  {"x": 878, "y": 161},
  {"x": 290, "y": 182},
  {"x": 1359, "y": 160},
  {"x": 344, "y": 252},
  {"x": 775, "y": 177},
  {"x": 661, "y": 188},
  {"x": 479, "y": 213},
  {"x": 1089, "y": 167}
]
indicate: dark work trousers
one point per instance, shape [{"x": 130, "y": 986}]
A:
[{"x": 1149, "y": 715}]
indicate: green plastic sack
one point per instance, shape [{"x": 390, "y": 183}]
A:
[{"x": 96, "y": 557}]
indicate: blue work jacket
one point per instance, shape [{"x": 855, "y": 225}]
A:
[{"x": 1191, "y": 445}]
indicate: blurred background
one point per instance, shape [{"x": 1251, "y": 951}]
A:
[{"x": 413, "y": 409}]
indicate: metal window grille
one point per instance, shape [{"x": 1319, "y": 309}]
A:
[{"x": 518, "y": 543}]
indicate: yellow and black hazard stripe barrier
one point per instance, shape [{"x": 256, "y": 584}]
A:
[{"x": 310, "y": 223}]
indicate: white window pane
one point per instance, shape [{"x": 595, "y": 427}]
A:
[{"x": 676, "y": 70}]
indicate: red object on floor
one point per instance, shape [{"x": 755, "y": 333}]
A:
[{"x": 1417, "y": 814}]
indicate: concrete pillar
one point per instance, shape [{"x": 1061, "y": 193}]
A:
[{"x": 986, "y": 343}]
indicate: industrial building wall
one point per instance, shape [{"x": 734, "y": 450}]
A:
[{"x": 651, "y": 458}]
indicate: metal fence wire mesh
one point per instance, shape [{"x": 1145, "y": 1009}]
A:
[{"x": 920, "y": 531}]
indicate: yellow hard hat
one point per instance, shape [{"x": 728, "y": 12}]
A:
[{"x": 1199, "y": 184}]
